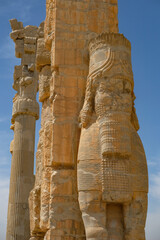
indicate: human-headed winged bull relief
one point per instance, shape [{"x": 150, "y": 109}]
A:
[{"x": 112, "y": 169}]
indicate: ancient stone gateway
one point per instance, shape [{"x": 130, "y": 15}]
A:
[{"x": 91, "y": 178}]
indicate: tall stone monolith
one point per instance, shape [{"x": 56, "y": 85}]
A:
[
  {"x": 69, "y": 26},
  {"x": 25, "y": 113}
]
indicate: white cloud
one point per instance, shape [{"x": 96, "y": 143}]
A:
[
  {"x": 153, "y": 218},
  {"x": 153, "y": 225},
  {"x": 4, "y": 186},
  {"x": 155, "y": 185},
  {"x": 5, "y": 161},
  {"x": 152, "y": 163}
]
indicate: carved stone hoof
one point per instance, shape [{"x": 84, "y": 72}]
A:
[{"x": 96, "y": 233}]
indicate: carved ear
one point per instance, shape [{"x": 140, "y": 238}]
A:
[
  {"x": 134, "y": 119},
  {"x": 86, "y": 114},
  {"x": 88, "y": 106}
]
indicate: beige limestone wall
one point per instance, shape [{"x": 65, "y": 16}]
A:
[{"x": 69, "y": 25}]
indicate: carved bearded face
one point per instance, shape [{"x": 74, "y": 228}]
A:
[
  {"x": 113, "y": 107},
  {"x": 112, "y": 94}
]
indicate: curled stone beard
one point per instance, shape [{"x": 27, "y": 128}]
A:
[
  {"x": 115, "y": 143},
  {"x": 114, "y": 133}
]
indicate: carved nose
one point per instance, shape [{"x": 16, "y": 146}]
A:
[{"x": 114, "y": 102}]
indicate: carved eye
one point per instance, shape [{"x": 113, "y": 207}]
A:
[
  {"x": 119, "y": 85},
  {"x": 127, "y": 91},
  {"x": 127, "y": 87},
  {"x": 95, "y": 85},
  {"x": 102, "y": 88}
]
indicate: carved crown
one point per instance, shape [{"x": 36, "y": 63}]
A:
[
  {"x": 110, "y": 54},
  {"x": 105, "y": 39}
]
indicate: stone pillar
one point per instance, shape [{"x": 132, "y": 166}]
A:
[
  {"x": 40, "y": 194},
  {"x": 25, "y": 113},
  {"x": 68, "y": 27}
]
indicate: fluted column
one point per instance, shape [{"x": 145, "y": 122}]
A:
[{"x": 25, "y": 112}]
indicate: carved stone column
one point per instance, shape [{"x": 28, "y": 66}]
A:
[{"x": 25, "y": 113}]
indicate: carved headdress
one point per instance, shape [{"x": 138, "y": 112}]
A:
[{"x": 110, "y": 54}]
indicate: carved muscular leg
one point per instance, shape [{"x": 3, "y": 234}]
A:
[
  {"x": 135, "y": 217},
  {"x": 115, "y": 224},
  {"x": 93, "y": 214}
]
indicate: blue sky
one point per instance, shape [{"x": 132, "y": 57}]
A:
[{"x": 139, "y": 21}]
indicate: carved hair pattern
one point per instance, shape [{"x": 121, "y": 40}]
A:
[{"x": 106, "y": 66}]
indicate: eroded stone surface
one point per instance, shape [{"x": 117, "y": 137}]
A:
[
  {"x": 112, "y": 169},
  {"x": 24, "y": 114},
  {"x": 91, "y": 172}
]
